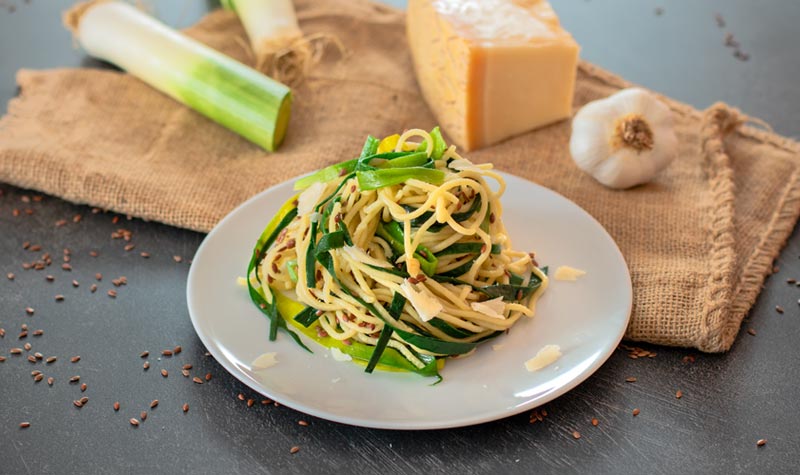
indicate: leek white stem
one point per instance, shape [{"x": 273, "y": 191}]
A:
[
  {"x": 224, "y": 90},
  {"x": 280, "y": 48}
]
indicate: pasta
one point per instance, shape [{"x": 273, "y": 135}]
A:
[{"x": 401, "y": 250}]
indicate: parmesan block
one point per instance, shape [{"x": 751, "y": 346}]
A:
[{"x": 492, "y": 69}]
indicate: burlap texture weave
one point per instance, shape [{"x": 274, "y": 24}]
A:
[{"x": 699, "y": 240}]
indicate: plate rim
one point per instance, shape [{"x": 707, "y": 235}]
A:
[{"x": 234, "y": 371}]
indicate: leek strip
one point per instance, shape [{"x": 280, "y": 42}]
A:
[{"x": 222, "y": 89}]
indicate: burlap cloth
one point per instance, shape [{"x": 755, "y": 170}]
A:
[{"x": 699, "y": 240}]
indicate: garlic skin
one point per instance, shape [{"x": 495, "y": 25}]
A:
[{"x": 625, "y": 139}]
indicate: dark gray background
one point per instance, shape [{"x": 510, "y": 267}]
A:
[{"x": 730, "y": 401}]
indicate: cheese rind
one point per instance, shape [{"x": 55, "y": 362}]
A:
[{"x": 491, "y": 69}]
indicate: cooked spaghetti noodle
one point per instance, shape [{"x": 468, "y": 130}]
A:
[{"x": 427, "y": 260}]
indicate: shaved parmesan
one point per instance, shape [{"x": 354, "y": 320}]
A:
[
  {"x": 267, "y": 360},
  {"x": 461, "y": 164},
  {"x": 309, "y": 198},
  {"x": 545, "y": 357},
  {"x": 241, "y": 281},
  {"x": 568, "y": 273},
  {"x": 339, "y": 356},
  {"x": 494, "y": 308},
  {"x": 426, "y": 305}
]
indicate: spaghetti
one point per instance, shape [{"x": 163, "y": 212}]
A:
[{"x": 402, "y": 249}]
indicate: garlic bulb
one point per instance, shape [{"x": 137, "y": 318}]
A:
[{"x": 625, "y": 139}]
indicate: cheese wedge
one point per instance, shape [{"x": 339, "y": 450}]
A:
[{"x": 491, "y": 69}]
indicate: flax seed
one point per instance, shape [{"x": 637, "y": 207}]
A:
[
  {"x": 678, "y": 394},
  {"x": 23, "y": 334},
  {"x": 83, "y": 387},
  {"x": 134, "y": 422},
  {"x": 164, "y": 373},
  {"x": 166, "y": 353},
  {"x": 65, "y": 266},
  {"x": 751, "y": 331},
  {"x": 38, "y": 377},
  {"x": 779, "y": 309},
  {"x": 24, "y": 425},
  {"x": 116, "y": 406},
  {"x": 143, "y": 415},
  {"x": 250, "y": 402},
  {"x": 75, "y": 284},
  {"x": 10, "y": 276},
  {"x": 38, "y": 356},
  {"x": 187, "y": 366},
  {"x": 29, "y": 310},
  {"x": 630, "y": 380},
  {"x": 177, "y": 259},
  {"x": 177, "y": 350},
  {"x": 208, "y": 377},
  {"x": 144, "y": 354},
  {"x": 50, "y": 381},
  {"x": 59, "y": 298},
  {"x": 595, "y": 422},
  {"x": 93, "y": 288},
  {"x": 294, "y": 450},
  {"x": 240, "y": 397},
  {"x": 185, "y": 407},
  {"x": 636, "y": 412},
  {"x": 576, "y": 435},
  {"x": 27, "y": 346},
  {"x": 77, "y": 403},
  {"x": 146, "y": 365},
  {"x": 74, "y": 359},
  {"x": 38, "y": 332},
  {"x": 32, "y": 359},
  {"x": 93, "y": 253},
  {"x": 84, "y": 400},
  {"x": 145, "y": 255},
  {"x": 112, "y": 293},
  {"x": 49, "y": 278},
  {"x": 129, "y": 247},
  {"x": 302, "y": 423},
  {"x": 265, "y": 402},
  {"x": 15, "y": 351},
  {"x": 761, "y": 442},
  {"x": 197, "y": 380},
  {"x": 154, "y": 403},
  {"x": 74, "y": 379},
  {"x": 50, "y": 359},
  {"x": 2, "y": 359},
  {"x": 185, "y": 373}
]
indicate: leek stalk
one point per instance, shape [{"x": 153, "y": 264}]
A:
[{"x": 222, "y": 89}]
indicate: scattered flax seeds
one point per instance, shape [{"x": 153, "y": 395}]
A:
[
  {"x": 185, "y": 407},
  {"x": 595, "y": 422},
  {"x": 112, "y": 293},
  {"x": 631, "y": 379},
  {"x": 197, "y": 380},
  {"x": 134, "y": 422},
  {"x": 146, "y": 365},
  {"x": 302, "y": 423},
  {"x": 634, "y": 352},
  {"x": 50, "y": 381},
  {"x": 537, "y": 415},
  {"x": 751, "y": 331},
  {"x": 250, "y": 402},
  {"x": 166, "y": 353},
  {"x": 116, "y": 406},
  {"x": 74, "y": 359},
  {"x": 154, "y": 403},
  {"x": 143, "y": 415},
  {"x": 177, "y": 259},
  {"x": 24, "y": 425},
  {"x": 576, "y": 435},
  {"x": 678, "y": 394},
  {"x": 144, "y": 354},
  {"x": 779, "y": 309},
  {"x": 761, "y": 442},
  {"x": 636, "y": 412},
  {"x": 294, "y": 450},
  {"x": 164, "y": 373},
  {"x": 177, "y": 349},
  {"x": 208, "y": 377}
]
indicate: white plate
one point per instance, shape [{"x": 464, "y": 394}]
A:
[{"x": 586, "y": 318}]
